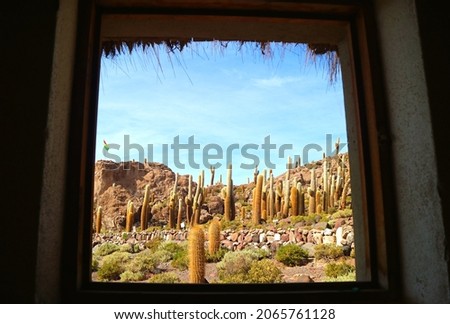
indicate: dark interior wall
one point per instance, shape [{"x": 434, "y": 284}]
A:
[
  {"x": 434, "y": 24},
  {"x": 27, "y": 37},
  {"x": 27, "y": 31}
]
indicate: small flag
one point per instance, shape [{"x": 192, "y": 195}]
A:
[{"x": 105, "y": 146}]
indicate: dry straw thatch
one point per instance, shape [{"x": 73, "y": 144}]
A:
[{"x": 325, "y": 54}]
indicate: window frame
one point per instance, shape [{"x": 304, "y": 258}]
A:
[{"x": 370, "y": 119}]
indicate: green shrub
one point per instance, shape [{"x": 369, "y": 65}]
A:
[
  {"x": 113, "y": 265},
  {"x": 105, "y": 249},
  {"x": 216, "y": 257},
  {"x": 131, "y": 276},
  {"x": 95, "y": 262},
  {"x": 154, "y": 244},
  {"x": 351, "y": 276},
  {"x": 291, "y": 255},
  {"x": 130, "y": 248},
  {"x": 143, "y": 263},
  {"x": 343, "y": 214},
  {"x": 235, "y": 266},
  {"x": 172, "y": 247},
  {"x": 230, "y": 225},
  {"x": 161, "y": 256},
  {"x": 264, "y": 271},
  {"x": 165, "y": 277},
  {"x": 180, "y": 260},
  {"x": 328, "y": 252},
  {"x": 335, "y": 270}
]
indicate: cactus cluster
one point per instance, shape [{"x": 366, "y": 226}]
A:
[{"x": 290, "y": 197}]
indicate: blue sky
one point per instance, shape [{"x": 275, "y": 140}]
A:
[{"x": 224, "y": 100}]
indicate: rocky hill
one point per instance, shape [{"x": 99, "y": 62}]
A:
[{"x": 117, "y": 183}]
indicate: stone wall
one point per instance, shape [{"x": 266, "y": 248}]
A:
[{"x": 269, "y": 239}]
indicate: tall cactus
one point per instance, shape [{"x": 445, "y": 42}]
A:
[
  {"x": 325, "y": 192},
  {"x": 129, "y": 217},
  {"x": 264, "y": 197},
  {"x": 285, "y": 211},
  {"x": 144, "y": 210},
  {"x": 214, "y": 236},
  {"x": 294, "y": 201},
  {"x": 256, "y": 215},
  {"x": 271, "y": 197},
  {"x": 198, "y": 200},
  {"x": 213, "y": 171},
  {"x": 312, "y": 193},
  {"x": 332, "y": 191},
  {"x": 336, "y": 145},
  {"x": 344, "y": 194},
  {"x": 188, "y": 201},
  {"x": 180, "y": 213},
  {"x": 98, "y": 220},
  {"x": 173, "y": 199},
  {"x": 196, "y": 251},
  {"x": 319, "y": 207},
  {"x": 301, "y": 199},
  {"x": 278, "y": 196},
  {"x": 230, "y": 211},
  {"x": 255, "y": 174}
]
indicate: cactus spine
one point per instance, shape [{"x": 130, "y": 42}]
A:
[
  {"x": 98, "y": 220},
  {"x": 144, "y": 210},
  {"x": 257, "y": 200},
  {"x": 214, "y": 236},
  {"x": 230, "y": 211},
  {"x": 196, "y": 250},
  {"x": 129, "y": 218}
]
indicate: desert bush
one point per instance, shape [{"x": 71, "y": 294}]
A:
[
  {"x": 338, "y": 269},
  {"x": 128, "y": 275},
  {"x": 328, "y": 252},
  {"x": 235, "y": 266},
  {"x": 113, "y": 265},
  {"x": 165, "y": 277},
  {"x": 143, "y": 263},
  {"x": 230, "y": 225},
  {"x": 172, "y": 247},
  {"x": 105, "y": 249},
  {"x": 264, "y": 271},
  {"x": 162, "y": 256},
  {"x": 342, "y": 214},
  {"x": 154, "y": 243},
  {"x": 130, "y": 248},
  {"x": 216, "y": 257},
  {"x": 291, "y": 255},
  {"x": 351, "y": 276},
  {"x": 180, "y": 259},
  {"x": 95, "y": 262}
]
